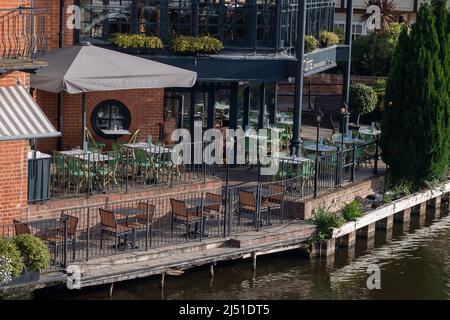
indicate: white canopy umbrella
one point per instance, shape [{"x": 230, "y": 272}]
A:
[{"x": 87, "y": 68}]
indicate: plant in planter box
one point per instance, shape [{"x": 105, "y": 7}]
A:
[
  {"x": 328, "y": 39},
  {"x": 311, "y": 44},
  {"x": 326, "y": 221},
  {"x": 34, "y": 252},
  {"x": 12, "y": 261},
  {"x": 135, "y": 41},
  {"x": 205, "y": 44}
]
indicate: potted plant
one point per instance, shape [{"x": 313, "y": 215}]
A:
[
  {"x": 311, "y": 44},
  {"x": 328, "y": 39},
  {"x": 363, "y": 100},
  {"x": 35, "y": 254},
  {"x": 137, "y": 43},
  {"x": 11, "y": 262},
  {"x": 196, "y": 45}
]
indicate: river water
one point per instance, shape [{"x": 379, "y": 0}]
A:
[{"x": 414, "y": 264}]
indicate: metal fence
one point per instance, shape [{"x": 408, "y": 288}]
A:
[
  {"x": 78, "y": 173},
  {"x": 84, "y": 233}
]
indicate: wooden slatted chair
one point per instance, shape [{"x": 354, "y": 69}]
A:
[
  {"x": 181, "y": 214},
  {"x": 109, "y": 225},
  {"x": 248, "y": 206}
]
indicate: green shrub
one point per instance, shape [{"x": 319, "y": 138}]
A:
[
  {"x": 363, "y": 99},
  {"x": 124, "y": 40},
  {"x": 311, "y": 44},
  {"x": 205, "y": 44},
  {"x": 34, "y": 252},
  {"x": 326, "y": 222},
  {"x": 329, "y": 38},
  {"x": 352, "y": 211},
  {"x": 9, "y": 251},
  {"x": 397, "y": 191}
]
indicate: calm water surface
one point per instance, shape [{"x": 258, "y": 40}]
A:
[{"x": 415, "y": 264}]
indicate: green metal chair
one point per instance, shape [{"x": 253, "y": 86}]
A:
[
  {"x": 80, "y": 175},
  {"x": 92, "y": 144},
  {"x": 142, "y": 164},
  {"x": 107, "y": 174}
]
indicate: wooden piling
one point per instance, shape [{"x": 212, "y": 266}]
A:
[
  {"x": 347, "y": 240},
  {"x": 436, "y": 205},
  {"x": 254, "y": 260},
  {"x": 403, "y": 216},
  {"x": 211, "y": 270},
  {"x": 163, "y": 276},
  {"x": 386, "y": 223},
  {"x": 323, "y": 249},
  {"x": 111, "y": 288},
  {"x": 367, "y": 231}
]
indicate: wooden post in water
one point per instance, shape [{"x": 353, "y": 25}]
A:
[
  {"x": 435, "y": 203},
  {"x": 163, "y": 276},
  {"x": 403, "y": 216},
  {"x": 348, "y": 240},
  {"x": 211, "y": 270},
  {"x": 386, "y": 224},
  {"x": 111, "y": 288},
  {"x": 254, "y": 261},
  {"x": 367, "y": 231}
]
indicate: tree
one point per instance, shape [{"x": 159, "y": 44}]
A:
[
  {"x": 387, "y": 12},
  {"x": 372, "y": 54},
  {"x": 363, "y": 100},
  {"x": 415, "y": 130}
]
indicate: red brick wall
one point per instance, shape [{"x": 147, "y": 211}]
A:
[
  {"x": 13, "y": 180},
  {"x": 146, "y": 108}
]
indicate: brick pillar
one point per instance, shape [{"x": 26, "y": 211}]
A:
[{"x": 13, "y": 179}]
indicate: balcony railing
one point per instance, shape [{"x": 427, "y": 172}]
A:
[
  {"x": 22, "y": 34},
  {"x": 259, "y": 25}
]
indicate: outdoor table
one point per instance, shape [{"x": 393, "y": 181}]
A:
[
  {"x": 367, "y": 131},
  {"x": 116, "y": 133},
  {"x": 45, "y": 226},
  {"x": 322, "y": 148},
  {"x": 291, "y": 160},
  {"x": 153, "y": 149},
  {"x": 351, "y": 141},
  {"x": 86, "y": 156}
]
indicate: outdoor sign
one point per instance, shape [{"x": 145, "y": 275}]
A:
[{"x": 320, "y": 60}]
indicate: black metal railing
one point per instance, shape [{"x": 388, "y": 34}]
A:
[
  {"x": 84, "y": 233},
  {"x": 267, "y": 25},
  {"x": 22, "y": 33},
  {"x": 77, "y": 173}
]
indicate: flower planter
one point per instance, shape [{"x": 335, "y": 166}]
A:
[{"x": 24, "y": 278}]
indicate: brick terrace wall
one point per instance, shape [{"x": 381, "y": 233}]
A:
[
  {"x": 13, "y": 179},
  {"x": 146, "y": 109},
  {"x": 334, "y": 199},
  {"x": 52, "y": 209}
]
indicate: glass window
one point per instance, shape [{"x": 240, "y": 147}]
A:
[{"x": 110, "y": 115}]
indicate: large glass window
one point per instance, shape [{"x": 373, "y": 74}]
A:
[
  {"x": 149, "y": 14},
  {"x": 179, "y": 17},
  {"x": 110, "y": 115}
]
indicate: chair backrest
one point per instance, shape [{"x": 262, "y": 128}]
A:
[
  {"x": 90, "y": 138},
  {"x": 276, "y": 192},
  {"x": 179, "y": 207},
  {"x": 216, "y": 199},
  {"x": 143, "y": 207},
  {"x": 141, "y": 156},
  {"x": 107, "y": 218},
  {"x": 58, "y": 159},
  {"x": 21, "y": 228},
  {"x": 335, "y": 124},
  {"x": 72, "y": 223},
  {"x": 247, "y": 198},
  {"x": 134, "y": 136}
]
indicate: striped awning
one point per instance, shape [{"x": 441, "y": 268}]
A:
[{"x": 21, "y": 117}]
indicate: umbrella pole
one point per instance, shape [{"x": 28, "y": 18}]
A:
[
  {"x": 83, "y": 120},
  {"x": 59, "y": 124}
]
